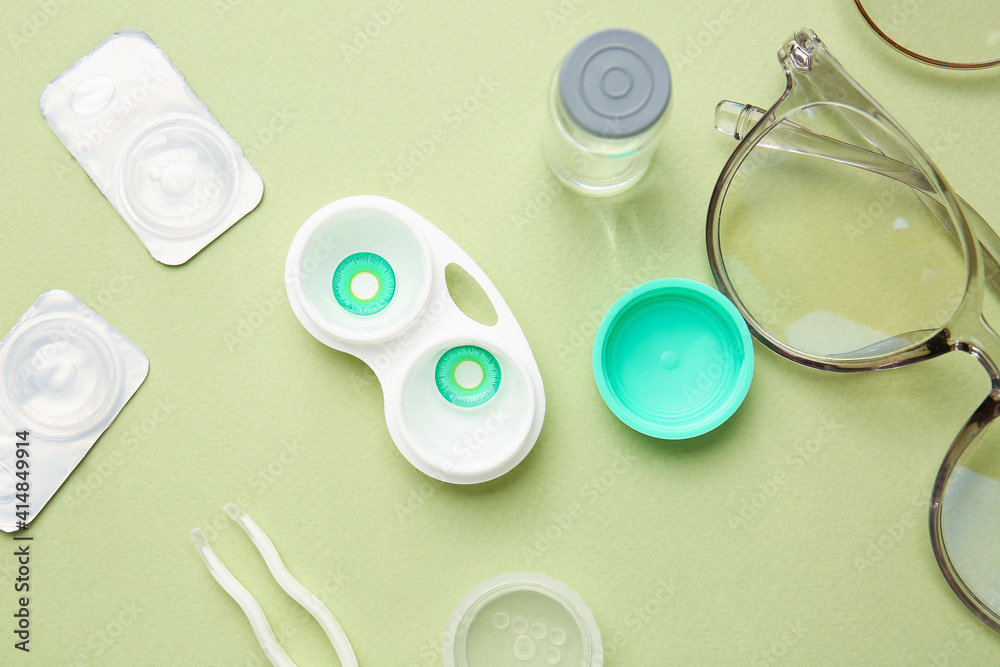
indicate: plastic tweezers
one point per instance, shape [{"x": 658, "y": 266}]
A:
[{"x": 252, "y": 609}]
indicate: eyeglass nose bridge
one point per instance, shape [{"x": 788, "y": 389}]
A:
[{"x": 971, "y": 333}]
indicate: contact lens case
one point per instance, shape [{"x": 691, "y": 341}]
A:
[
  {"x": 522, "y": 619},
  {"x": 464, "y": 401},
  {"x": 152, "y": 146},
  {"x": 65, "y": 374}
]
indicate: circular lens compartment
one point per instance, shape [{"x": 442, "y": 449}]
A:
[
  {"x": 60, "y": 377},
  {"x": 519, "y": 620},
  {"x": 472, "y": 437},
  {"x": 327, "y": 262},
  {"x": 178, "y": 177}
]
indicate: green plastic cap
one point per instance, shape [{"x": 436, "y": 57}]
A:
[{"x": 673, "y": 358}]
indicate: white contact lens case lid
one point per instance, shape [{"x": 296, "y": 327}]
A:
[
  {"x": 519, "y": 620},
  {"x": 65, "y": 374},
  {"x": 151, "y": 146},
  {"x": 366, "y": 275}
]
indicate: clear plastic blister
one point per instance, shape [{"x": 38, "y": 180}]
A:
[
  {"x": 151, "y": 146},
  {"x": 65, "y": 374},
  {"x": 464, "y": 401}
]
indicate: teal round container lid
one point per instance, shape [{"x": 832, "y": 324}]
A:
[{"x": 673, "y": 358}]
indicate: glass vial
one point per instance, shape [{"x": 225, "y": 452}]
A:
[{"x": 607, "y": 104}]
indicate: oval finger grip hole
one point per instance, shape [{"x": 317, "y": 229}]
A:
[{"x": 469, "y": 296}]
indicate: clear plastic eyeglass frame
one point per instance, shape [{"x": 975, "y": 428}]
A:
[
  {"x": 946, "y": 13},
  {"x": 816, "y": 79}
]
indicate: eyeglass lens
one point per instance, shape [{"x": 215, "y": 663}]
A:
[
  {"x": 833, "y": 260},
  {"x": 970, "y": 518}
]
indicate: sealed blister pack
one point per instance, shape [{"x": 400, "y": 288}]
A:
[
  {"x": 151, "y": 146},
  {"x": 65, "y": 374}
]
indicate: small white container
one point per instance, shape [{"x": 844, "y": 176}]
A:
[{"x": 607, "y": 105}]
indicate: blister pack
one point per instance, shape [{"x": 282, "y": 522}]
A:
[
  {"x": 152, "y": 146},
  {"x": 464, "y": 401},
  {"x": 65, "y": 374}
]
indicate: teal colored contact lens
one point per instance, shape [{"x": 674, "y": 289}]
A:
[
  {"x": 364, "y": 283},
  {"x": 467, "y": 376}
]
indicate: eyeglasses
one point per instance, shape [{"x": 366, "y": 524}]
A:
[
  {"x": 845, "y": 249},
  {"x": 959, "y": 34}
]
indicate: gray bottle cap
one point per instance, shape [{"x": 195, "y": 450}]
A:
[{"x": 615, "y": 83}]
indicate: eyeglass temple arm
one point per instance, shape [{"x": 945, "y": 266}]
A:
[{"x": 737, "y": 120}]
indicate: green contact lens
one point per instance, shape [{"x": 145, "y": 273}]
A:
[
  {"x": 467, "y": 376},
  {"x": 364, "y": 283}
]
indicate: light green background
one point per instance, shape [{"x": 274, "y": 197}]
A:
[{"x": 242, "y": 404}]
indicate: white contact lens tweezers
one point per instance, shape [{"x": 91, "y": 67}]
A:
[{"x": 247, "y": 602}]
